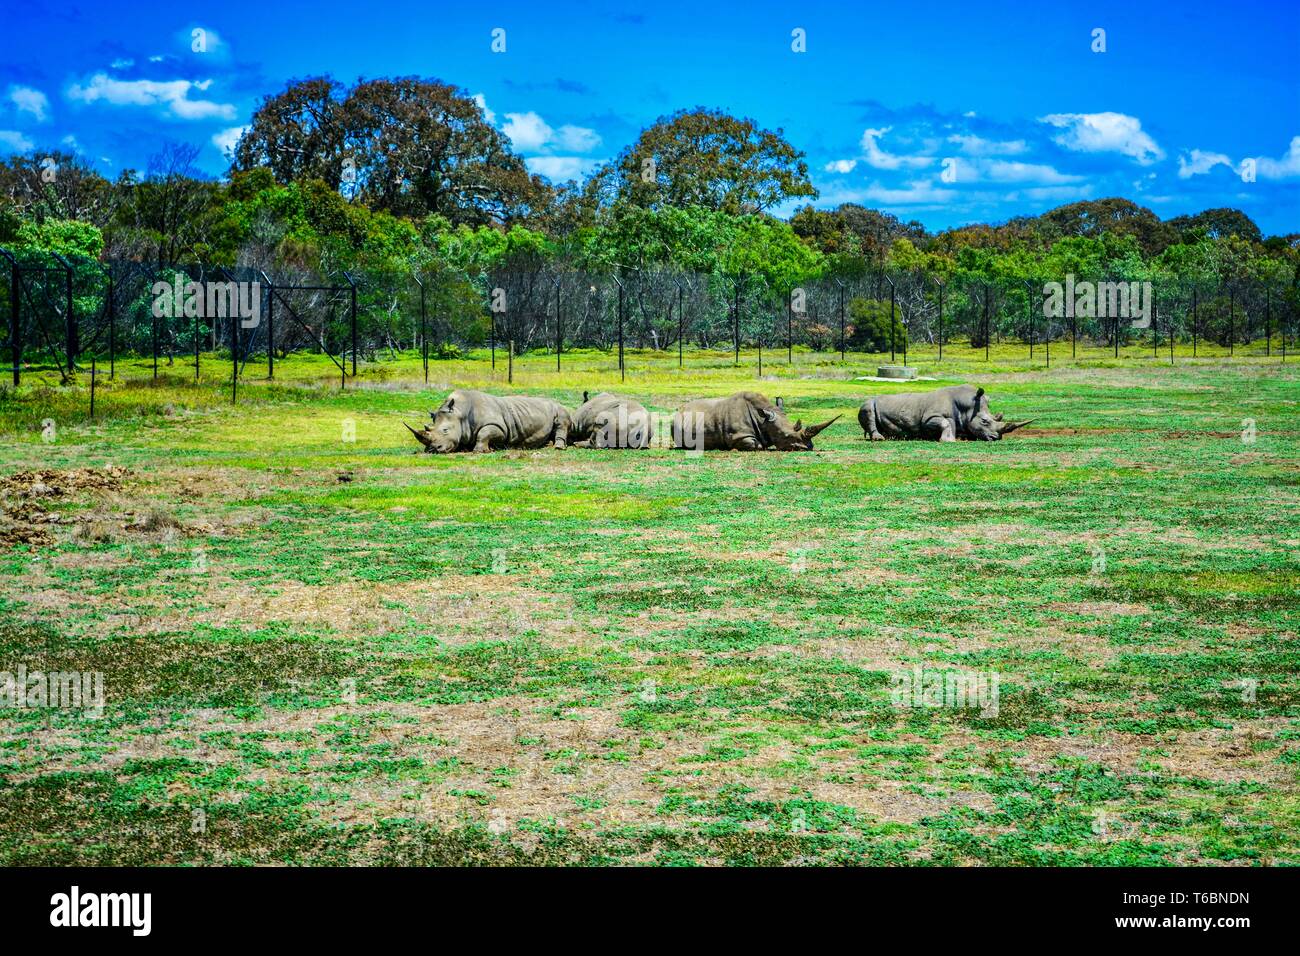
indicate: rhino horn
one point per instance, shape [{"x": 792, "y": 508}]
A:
[
  {"x": 812, "y": 430},
  {"x": 1006, "y": 428},
  {"x": 798, "y": 424},
  {"x": 997, "y": 417},
  {"x": 419, "y": 436}
]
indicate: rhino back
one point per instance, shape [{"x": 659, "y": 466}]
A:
[
  {"x": 476, "y": 410},
  {"x": 905, "y": 412},
  {"x": 530, "y": 421},
  {"x": 613, "y": 421},
  {"x": 585, "y": 418},
  {"x": 719, "y": 421}
]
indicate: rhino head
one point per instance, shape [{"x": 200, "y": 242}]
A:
[
  {"x": 443, "y": 434},
  {"x": 783, "y": 436},
  {"x": 985, "y": 426}
]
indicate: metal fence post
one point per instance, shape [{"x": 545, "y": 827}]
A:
[
  {"x": 559, "y": 324},
  {"x": 789, "y": 327},
  {"x": 940, "y": 285},
  {"x": 15, "y": 317},
  {"x": 234, "y": 356},
  {"x": 681, "y": 324},
  {"x": 112, "y": 327},
  {"x": 1195, "y": 320},
  {"x": 353, "y": 286},
  {"x": 270, "y": 335}
]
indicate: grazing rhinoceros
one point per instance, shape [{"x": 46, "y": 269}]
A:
[
  {"x": 746, "y": 421},
  {"x": 611, "y": 421},
  {"x": 476, "y": 421},
  {"x": 946, "y": 414}
]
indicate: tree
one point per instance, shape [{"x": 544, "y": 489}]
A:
[
  {"x": 297, "y": 134},
  {"x": 424, "y": 147},
  {"x": 1094, "y": 217},
  {"x": 870, "y": 323},
  {"x": 166, "y": 217},
  {"x": 705, "y": 158},
  {"x": 1218, "y": 224},
  {"x": 55, "y": 185},
  {"x": 409, "y": 146}
]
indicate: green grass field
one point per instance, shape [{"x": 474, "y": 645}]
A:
[{"x": 318, "y": 650}]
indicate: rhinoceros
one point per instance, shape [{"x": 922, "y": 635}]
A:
[
  {"x": 611, "y": 421},
  {"x": 476, "y": 421},
  {"x": 745, "y": 421},
  {"x": 945, "y": 414}
]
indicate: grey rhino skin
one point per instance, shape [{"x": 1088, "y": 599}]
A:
[
  {"x": 610, "y": 421},
  {"x": 945, "y": 414},
  {"x": 476, "y": 421},
  {"x": 745, "y": 421}
]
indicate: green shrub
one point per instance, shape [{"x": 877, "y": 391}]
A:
[{"x": 870, "y": 319}]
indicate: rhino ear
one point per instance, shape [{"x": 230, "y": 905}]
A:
[
  {"x": 769, "y": 414},
  {"x": 780, "y": 404},
  {"x": 997, "y": 417},
  {"x": 978, "y": 395},
  {"x": 451, "y": 403},
  {"x": 585, "y": 399},
  {"x": 798, "y": 425}
]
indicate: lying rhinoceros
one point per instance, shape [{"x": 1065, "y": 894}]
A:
[
  {"x": 611, "y": 421},
  {"x": 476, "y": 421},
  {"x": 746, "y": 421},
  {"x": 946, "y": 414}
]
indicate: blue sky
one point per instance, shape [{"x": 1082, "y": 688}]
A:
[{"x": 943, "y": 112}]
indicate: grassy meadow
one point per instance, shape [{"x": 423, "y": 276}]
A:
[{"x": 319, "y": 646}]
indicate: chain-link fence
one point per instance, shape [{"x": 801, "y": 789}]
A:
[{"x": 65, "y": 313}]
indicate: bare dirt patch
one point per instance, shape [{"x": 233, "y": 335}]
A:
[{"x": 25, "y": 497}]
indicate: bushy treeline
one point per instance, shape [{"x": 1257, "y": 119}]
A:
[{"x": 399, "y": 177}]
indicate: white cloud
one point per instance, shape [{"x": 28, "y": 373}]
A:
[
  {"x": 531, "y": 134},
  {"x": 488, "y": 115},
  {"x": 1105, "y": 133},
  {"x": 1288, "y": 165},
  {"x": 578, "y": 139},
  {"x": 1007, "y": 171},
  {"x": 15, "y": 141},
  {"x": 1058, "y": 193},
  {"x": 919, "y": 191},
  {"x": 174, "y": 94},
  {"x": 973, "y": 145},
  {"x": 1198, "y": 163},
  {"x": 228, "y": 139},
  {"x": 877, "y": 158},
  {"x": 70, "y": 141},
  {"x": 29, "y": 100},
  {"x": 122, "y": 63},
  {"x": 560, "y": 168},
  {"x": 840, "y": 166},
  {"x": 527, "y": 131}
]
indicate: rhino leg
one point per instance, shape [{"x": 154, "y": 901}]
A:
[
  {"x": 937, "y": 428},
  {"x": 867, "y": 419},
  {"x": 488, "y": 436},
  {"x": 745, "y": 443},
  {"x": 561, "y": 431}
]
